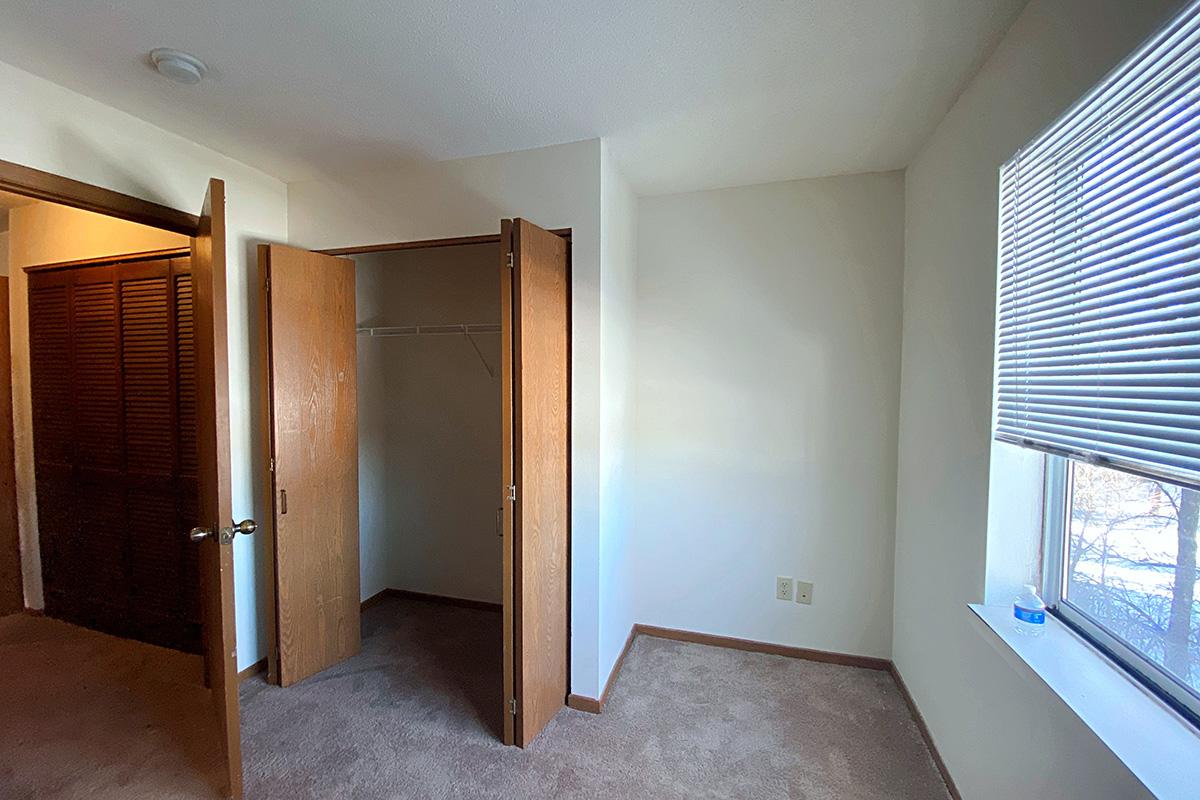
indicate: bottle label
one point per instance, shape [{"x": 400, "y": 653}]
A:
[{"x": 1033, "y": 617}]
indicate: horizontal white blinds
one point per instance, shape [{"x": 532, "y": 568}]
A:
[{"x": 1098, "y": 352}]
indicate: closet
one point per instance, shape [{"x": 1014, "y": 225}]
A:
[
  {"x": 428, "y": 332},
  {"x": 113, "y": 388},
  {"x": 418, "y": 409}
]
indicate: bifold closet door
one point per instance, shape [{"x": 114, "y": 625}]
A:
[
  {"x": 535, "y": 341},
  {"x": 309, "y": 317},
  {"x": 114, "y": 396}
]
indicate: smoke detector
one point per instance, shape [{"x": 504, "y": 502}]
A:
[{"x": 179, "y": 66}]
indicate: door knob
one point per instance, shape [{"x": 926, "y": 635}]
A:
[{"x": 246, "y": 526}]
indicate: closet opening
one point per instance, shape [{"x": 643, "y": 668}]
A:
[
  {"x": 419, "y": 423},
  {"x": 429, "y": 400}
]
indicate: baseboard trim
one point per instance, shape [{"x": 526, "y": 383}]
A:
[
  {"x": 591, "y": 705},
  {"x": 374, "y": 600},
  {"x": 446, "y": 600},
  {"x": 925, "y": 734},
  {"x": 252, "y": 670},
  {"x": 594, "y": 706},
  {"x": 749, "y": 645},
  {"x": 581, "y": 702}
]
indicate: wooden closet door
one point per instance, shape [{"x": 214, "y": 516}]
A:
[
  {"x": 163, "y": 581},
  {"x": 53, "y": 431},
  {"x": 314, "y": 447},
  {"x": 109, "y": 438},
  {"x": 535, "y": 323}
]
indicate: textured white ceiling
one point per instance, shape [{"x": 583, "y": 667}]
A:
[{"x": 691, "y": 93}]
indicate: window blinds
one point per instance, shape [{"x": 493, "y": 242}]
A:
[{"x": 1098, "y": 344}]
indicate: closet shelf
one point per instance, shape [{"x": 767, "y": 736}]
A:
[{"x": 427, "y": 330}]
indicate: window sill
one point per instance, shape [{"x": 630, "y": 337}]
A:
[{"x": 1154, "y": 743}]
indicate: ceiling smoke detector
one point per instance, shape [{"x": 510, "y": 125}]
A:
[{"x": 179, "y": 66}]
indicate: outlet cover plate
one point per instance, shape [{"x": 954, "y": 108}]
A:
[
  {"x": 804, "y": 592},
  {"x": 783, "y": 588}
]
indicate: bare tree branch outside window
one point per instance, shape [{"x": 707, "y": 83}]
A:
[{"x": 1131, "y": 564}]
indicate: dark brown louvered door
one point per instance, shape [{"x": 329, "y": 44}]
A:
[{"x": 114, "y": 445}]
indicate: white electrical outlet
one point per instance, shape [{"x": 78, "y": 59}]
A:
[
  {"x": 804, "y": 591},
  {"x": 783, "y": 588}
]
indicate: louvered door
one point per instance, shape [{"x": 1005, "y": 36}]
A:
[{"x": 113, "y": 382}]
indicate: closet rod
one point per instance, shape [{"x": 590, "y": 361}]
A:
[{"x": 427, "y": 330}]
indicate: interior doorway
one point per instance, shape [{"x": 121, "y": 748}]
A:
[
  {"x": 461, "y": 481},
  {"x": 120, "y": 395}
]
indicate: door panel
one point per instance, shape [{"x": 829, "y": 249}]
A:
[
  {"x": 104, "y": 356},
  {"x": 214, "y": 495},
  {"x": 537, "y": 446},
  {"x": 314, "y": 425}
]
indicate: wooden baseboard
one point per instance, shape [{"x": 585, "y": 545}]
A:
[
  {"x": 596, "y": 706},
  {"x": 580, "y": 702},
  {"x": 749, "y": 645},
  {"x": 374, "y": 600},
  {"x": 592, "y": 705},
  {"x": 252, "y": 670},
  {"x": 461, "y": 602},
  {"x": 36, "y": 612},
  {"x": 925, "y": 734}
]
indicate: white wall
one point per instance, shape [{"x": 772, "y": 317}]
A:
[
  {"x": 555, "y": 187},
  {"x": 768, "y": 362},
  {"x": 51, "y": 128},
  {"x": 1001, "y": 735},
  {"x": 618, "y": 298},
  {"x": 429, "y": 424}
]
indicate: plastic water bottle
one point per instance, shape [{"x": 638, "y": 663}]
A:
[{"x": 1029, "y": 612}]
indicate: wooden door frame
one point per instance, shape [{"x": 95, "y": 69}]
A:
[
  {"x": 421, "y": 244},
  {"x": 265, "y": 410},
  {"x": 105, "y": 261},
  {"x": 52, "y": 188}
]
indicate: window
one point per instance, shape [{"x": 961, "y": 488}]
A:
[
  {"x": 1121, "y": 567},
  {"x": 1098, "y": 354}
]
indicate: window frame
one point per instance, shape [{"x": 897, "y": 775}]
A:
[{"x": 1056, "y": 513}]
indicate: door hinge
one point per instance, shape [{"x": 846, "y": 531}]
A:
[
  {"x": 512, "y": 706},
  {"x": 512, "y": 492},
  {"x": 272, "y": 465},
  {"x": 267, "y": 284},
  {"x": 510, "y": 260}
]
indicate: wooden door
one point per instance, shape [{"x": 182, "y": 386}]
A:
[
  {"x": 215, "y": 504},
  {"x": 112, "y": 369},
  {"x": 314, "y": 446},
  {"x": 535, "y": 341}
]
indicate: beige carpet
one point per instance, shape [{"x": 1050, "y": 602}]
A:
[
  {"x": 87, "y": 715},
  {"x": 417, "y": 714}
]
